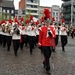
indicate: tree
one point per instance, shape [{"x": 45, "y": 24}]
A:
[
  {"x": 27, "y": 16},
  {"x": 5, "y": 16}
]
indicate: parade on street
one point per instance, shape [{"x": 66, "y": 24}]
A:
[{"x": 35, "y": 39}]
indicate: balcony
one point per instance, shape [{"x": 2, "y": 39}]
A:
[
  {"x": 74, "y": 3},
  {"x": 66, "y": 11},
  {"x": 32, "y": 3},
  {"x": 32, "y": 13},
  {"x": 66, "y": 4},
  {"x": 32, "y": 8},
  {"x": 74, "y": 10},
  {"x": 67, "y": 16}
]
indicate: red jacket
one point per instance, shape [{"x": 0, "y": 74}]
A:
[
  {"x": 52, "y": 27},
  {"x": 45, "y": 40}
]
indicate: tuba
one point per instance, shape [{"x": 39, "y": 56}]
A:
[
  {"x": 3, "y": 28},
  {"x": 7, "y": 28}
]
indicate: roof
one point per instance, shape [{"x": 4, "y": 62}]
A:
[{"x": 7, "y": 4}]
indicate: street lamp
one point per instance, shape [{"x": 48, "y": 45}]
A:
[{"x": 71, "y": 12}]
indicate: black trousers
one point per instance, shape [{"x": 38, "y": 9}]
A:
[
  {"x": 31, "y": 40},
  {"x": 8, "y": 41},
  {"x": 56, "y": 39},
  {"x": 4, "y": 40},
  {"x": 0, "y": 39},
  {"x": 37, "y": 38},
  {"x": 23, "y": 41},
  {"x": 47, "y": 54},
  {"x": 16, "y": 45},
  {"x": 26, "y": 41},
  {"x": 64, "y": 40}
]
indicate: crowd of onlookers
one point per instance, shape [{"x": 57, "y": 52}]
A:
[{"x": 71, "y": 31}]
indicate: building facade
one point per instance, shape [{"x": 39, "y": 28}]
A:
[
  {"x": 30, "y": 6},
  {"x": 56, "y": 11},
  {"x": 7, "y": 9},
  {"x": 68, "y": 10},
  {"x": 19, "y": 13}
]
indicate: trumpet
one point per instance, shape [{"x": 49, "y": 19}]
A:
[{"x": 16, "y": 30}]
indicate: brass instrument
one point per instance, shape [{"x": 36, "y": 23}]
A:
[
  {"x": 8, "y": 30},
  {"x": 16, "y": 30},
  {"x": 3, "y": 28}
]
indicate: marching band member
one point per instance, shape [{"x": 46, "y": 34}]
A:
[
  {"x": 27, "y": 32},
  {"x": 63, "y": 34},
  {"x": 23, "y": 36},
  {"x": 45, "y": 36},
  {"x": 53, "y": 38},
  {"x": 31, "y": 36},
  {"x": 0, "y": 34},
  {"x": 15, "y": 37},
  {"x": 8, "y": 36},
  {"x": 57, "y": 34},
  {"x": 41, "y": 25},
  {"x": 3, "y": 35}
]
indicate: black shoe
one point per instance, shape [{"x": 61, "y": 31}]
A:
[
  {"x": 22, "y": 49},
  {"x": 63, "y": 50},
  {"x": 44, "y": 65},
  {"x": 15, "y": 54},
  {"x": 53, "y": 50},
  {"x": 8, "y": 49},
  {"x": 31, "y": 54},
  {"x": 48, "y": 72}
]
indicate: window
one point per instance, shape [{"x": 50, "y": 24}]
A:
[
  {"x": 56, "y": 18},
  {"x": 28, "y": 0},
  {"x": 32, "y": 1},
  {"x": 7, "y": 11},
  {"x": 7, "y": 17},
  {"x": 53, "y": 13},
  {"x": 4, "y": 11},
  {"x": 12, "y": 17},
  {"x": 0, "y": 9},
  {"x": 56, "y": 13},
  {"x": 12, "y": 11}
]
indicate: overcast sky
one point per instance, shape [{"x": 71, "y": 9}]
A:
[{"x": 43, "y": 3}]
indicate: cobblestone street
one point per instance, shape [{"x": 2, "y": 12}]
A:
[{"x": 26, "y": 64}]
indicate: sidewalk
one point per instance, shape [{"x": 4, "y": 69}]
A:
[{"x": 26, "y": 64}]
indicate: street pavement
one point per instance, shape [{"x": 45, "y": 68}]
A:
[{"x": 62, "y": 63}]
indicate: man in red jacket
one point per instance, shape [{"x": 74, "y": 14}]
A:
[{"x": 45, "y": 36}]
